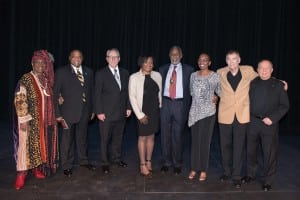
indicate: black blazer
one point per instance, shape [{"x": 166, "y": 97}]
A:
[
  {"x": 109, "y": 99},
  {"x": 67, "y": 84},
  {"x": 187, "y": 70}
]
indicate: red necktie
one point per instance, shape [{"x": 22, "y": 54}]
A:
[{"x": 172, "y": 87}]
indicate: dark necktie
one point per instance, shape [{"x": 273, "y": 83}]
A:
[
  {"x": 172, "y": 86},
  {"x": 80, "y": 77},
  {"x": 81, "y": 80},
  {"x": 116, "y": 75}
]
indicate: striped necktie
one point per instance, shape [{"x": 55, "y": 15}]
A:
[
  {"x": 80, "y": 77},
  {"x": 81, "y": 80}
]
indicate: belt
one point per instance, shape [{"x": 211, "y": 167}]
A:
[
  {"x": 177, "y": 99},
  {"x": 257, "y": 116}
]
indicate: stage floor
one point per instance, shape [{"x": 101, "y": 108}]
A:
[{"x": 127, "y": 184}]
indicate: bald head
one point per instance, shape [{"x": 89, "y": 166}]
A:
[{"x": 265, "y": 69}]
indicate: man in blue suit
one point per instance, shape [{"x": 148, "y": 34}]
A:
[{"x": 175, "y": 106}]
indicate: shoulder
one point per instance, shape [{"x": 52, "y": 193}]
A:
[
  {"x": 246, "y": 68},
  {"x": 155, "y": 73},
  {"x": 277, "y": 82},
  {"x": 222, "y": 70},
  {"x": 134, "y": 75},
  {"x": 63, "y": 68},
  {"x": 188, "y": 67},
  {"x": 123, "y": 70},
  {"x": 163, "y": 67},
  {"x": 87, "y": 69}
]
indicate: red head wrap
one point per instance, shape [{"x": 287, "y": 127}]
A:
[{"x": 48, "y": 58}]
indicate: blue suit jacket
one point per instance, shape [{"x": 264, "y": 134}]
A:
[{"x": 187, "y": 70}]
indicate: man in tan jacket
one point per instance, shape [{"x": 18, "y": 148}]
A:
[{"x": 234, "y": 114}]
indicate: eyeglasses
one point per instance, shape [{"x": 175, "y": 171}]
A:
[{"x": 113, "y": 57}]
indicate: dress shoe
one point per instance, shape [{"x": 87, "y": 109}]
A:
[
  {"x": 247, "y": 179},
  {"x": 105, "y": 169},
  {"x": 164, "y": 169},
  {"x": 68, "y": 172},
  {"x": 121, "y": 164},
  {"x": 224, "y": 178},
  {"x": 266, "y": 187},
  {"x": 177, "y": 170},
  {"x": 38, "y": 174},
  {"x": 237, "y": 184},
  {"x": 20, "y": 180},
  {"x": 89, "y": 167}
]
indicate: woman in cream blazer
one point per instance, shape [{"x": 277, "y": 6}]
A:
[{"x": 145, "y": 98}]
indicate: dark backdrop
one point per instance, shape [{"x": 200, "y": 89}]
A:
[{"x": 256, "y": 28}]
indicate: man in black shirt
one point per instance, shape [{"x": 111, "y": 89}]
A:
[{"x": 268, "y": 104}]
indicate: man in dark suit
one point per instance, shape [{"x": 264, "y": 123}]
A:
[
  {"x": 175, "y": 107},
  {"x": 268, "y": 104},
  {"x": 73, "y": 87},
  {"x": 112, "y": 106}
]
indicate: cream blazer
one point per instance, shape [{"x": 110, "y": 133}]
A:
[
  {"x": 235, "y": 103},
  {"x": 136, "y": 91}
]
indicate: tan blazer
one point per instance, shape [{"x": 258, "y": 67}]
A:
[
  {"x": 136, "y": 91},
  {"x": 235, "y": 102}
]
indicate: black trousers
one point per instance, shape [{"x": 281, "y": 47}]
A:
[
  {"x": 201, "y": 132},
  {"x": 111, "y": 132},
  {"x": 232, "y": 139},
  {"x": 77, "y": 133},
  {"x": 267, "y": 137},
  {"x": 172, "y": 128}
]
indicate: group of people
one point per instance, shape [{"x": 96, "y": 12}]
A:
[{"x": 250, "y": 106}]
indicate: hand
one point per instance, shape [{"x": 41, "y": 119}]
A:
[
  {"x": 60, "y": 99},
  {"x": 215, "y": 99},
  {"x": 58, "y": 119},
  {"x": 267, "y": 121},
  {"x": 92, "y": 116},
  {"x": 128, "y": 113},
  {"x": 285, "y": 85},
  {"x": 101, "y": 117},
  {"x": 144, "y": 120}
]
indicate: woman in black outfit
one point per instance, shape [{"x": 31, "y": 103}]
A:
[{"x": 145, "y": 99}]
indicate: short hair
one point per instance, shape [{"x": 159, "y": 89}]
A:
[
  {"x": 112, "y": 49},
  {"x": 143, "y": 58},
  {"x": 176, "y": 47},
  {"x": 232, "y": 51}
]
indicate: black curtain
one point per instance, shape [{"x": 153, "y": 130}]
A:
[{"x": 257, "y": 29}]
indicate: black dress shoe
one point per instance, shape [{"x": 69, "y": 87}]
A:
[
  {"x": 68, "y": 172},
  {"x": 247, "y": 179},
  {"x": 237, "y": 184},
  {"x": 164, "y": 169},
  {"x": 89, "y": 167},
  {"x": 266, "y": 187},
  {"x": 105, "y": 169},
  {"x": 177, "y": 170},
  {"x": 121, "y": 164},
  {"x": 224, "y": 178}
]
